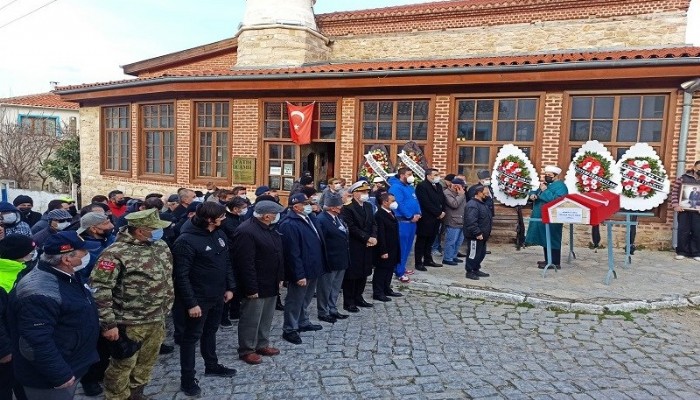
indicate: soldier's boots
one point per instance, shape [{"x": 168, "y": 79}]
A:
[{"x": 137, "y": 394}]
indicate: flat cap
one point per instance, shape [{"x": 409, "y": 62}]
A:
[{"x": 268, "y": 207}]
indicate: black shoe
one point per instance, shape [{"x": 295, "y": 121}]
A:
[
  {"x": 190, "y": 387},
  {"x": 219, "y": 370},
  {"x": 420, "y": 267},
  {"x": 488, "y": 251},
  {"x": 352, "y": 309},
  {"x": 433, "y": 264},
  {"x": 482, "y": 274},
  {"x": 461, "y": 255},
  {"x": 91, "y": 389},
  {"x": 457, "y": 260},
  {"x": 279, "y": 306},
  {"x": 471, "y": 275},
  {"x": 553, "y": 266},
  {"x": 327, "y": 318},
  {"x": 292, "y": 337},
  {"x": 394, "y": 294},
  {"x": 449, "y": 262},
  {"x": 310, "y": 328},
  {"x": 166, "y": 349},
  {"x": 339, "y": 316},
  {"x": 381, "y": 298},
  {"x": 226, "y": 324},
  {"x": 365, "y": 304}
]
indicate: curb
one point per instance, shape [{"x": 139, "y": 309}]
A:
[{"x": 674, "y": 301}]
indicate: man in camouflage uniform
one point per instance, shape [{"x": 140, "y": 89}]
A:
[{"x": 134, "y": 290}]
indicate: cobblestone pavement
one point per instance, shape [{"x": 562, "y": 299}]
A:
[{"x": 425, "y": 346}]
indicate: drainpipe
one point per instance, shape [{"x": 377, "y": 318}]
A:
[{"x": 689, "y": 88}]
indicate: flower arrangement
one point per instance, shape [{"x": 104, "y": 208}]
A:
[
  {"x": 514, "y": 177},
  {"x": 381, "y": 156},
  {"x": 597, "y": 167},
  {"x": 638, "y": 176},
  {"x": 415, "y": 154}
]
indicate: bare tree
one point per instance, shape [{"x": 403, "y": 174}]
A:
[{"x": 24, "y": 151}]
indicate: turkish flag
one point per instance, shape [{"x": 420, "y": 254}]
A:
[{"x": 300, "y": 119}]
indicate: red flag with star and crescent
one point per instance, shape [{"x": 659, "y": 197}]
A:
[{"x": 300, "y": 119}]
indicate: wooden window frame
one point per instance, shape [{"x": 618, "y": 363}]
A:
[
  {"x": 104, "y": 143},
  {"x": 495, "y": 145},
  {"x": 666, "y": 145},
  {"x": 195, "y": 144},
  {"x": 358, "y": 157},
  {"x": 262, "y": 167},
  {"x": 143, "y": 174}
]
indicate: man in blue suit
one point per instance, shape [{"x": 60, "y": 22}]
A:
[
  {"x": 335, "y": 234},
  {"x": 304, "y": 260}
]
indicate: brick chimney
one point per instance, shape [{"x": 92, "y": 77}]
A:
[{"x": 280, "y": 33}]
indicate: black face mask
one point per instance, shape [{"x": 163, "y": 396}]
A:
[
  {"x": 25, "y": 211},
  {"x": 121, "y": 203},
  {"x": 73, "y": 211},
  {"x": 549, "y": 179}
]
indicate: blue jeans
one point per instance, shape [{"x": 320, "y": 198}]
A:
[
  {"x": 407, "y": 233},
  {"x": 453, "y": 240}
]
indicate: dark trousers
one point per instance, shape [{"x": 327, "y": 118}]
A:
[
  {"x": 381, "y": 281},
  {"x": 688, "y": 234},
  {"x": 556, "y": 256},
  {"x": 202, "y": 329},
  {"x": 179, "y": 314},
  {"x": 96, "y": 373},
  {"x": 8, "y": 384},
  {"x": 232, "y": 309},
  {"x": 476, "y": 251},
  {"x": 423, "y": 251},
  {"x": 352, "y": 291}
]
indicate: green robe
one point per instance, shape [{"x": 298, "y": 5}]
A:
[{"x": 536, "y": 234}]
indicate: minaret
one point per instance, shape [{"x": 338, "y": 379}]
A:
[{"x": 280, "y": 33}]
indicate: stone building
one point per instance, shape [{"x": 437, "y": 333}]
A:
[{"x": 460, "y": 78}]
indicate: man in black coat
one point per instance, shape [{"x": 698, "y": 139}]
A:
[
  {"x": 204, "y": 281},
  {"x": 484, "y": 180},
  {"x": 432, "y": 202},
  {"x": 24, "y": 205},
  {"x": 236, "y": 210},
  {"x": 336, "y": 236},
  {"x": 478, "y": 222},
  {"x": 359, "y": 218},
  {"x": 259, "y": 267},
  {"x": 388, "y": 249}
]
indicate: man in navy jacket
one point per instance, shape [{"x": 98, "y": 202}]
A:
[
  {"x": 304, "y": 260},
  {"x": 54, "y": 321}
]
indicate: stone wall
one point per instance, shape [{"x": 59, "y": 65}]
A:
[
  {"x": 653, "y": 30},
  {"x": 280, "y": 46}
]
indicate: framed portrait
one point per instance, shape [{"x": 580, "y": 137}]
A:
[
  {"x": 287, "y": 183},
  {"x": 275, "y": 183},
  {"x": 690, "y": 197}
]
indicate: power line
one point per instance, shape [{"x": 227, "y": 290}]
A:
[
  {"x": 28, "y": 14},
  {"x": 8, "y": 4}
]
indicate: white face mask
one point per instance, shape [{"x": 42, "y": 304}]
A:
[
  {"x": 394, "y": 205},
  {"x": 436, "y": 180},
  {"x": 243, "y": 211},
  {"x": 337, "y": 186},
  {"x": 243, "y": 196},
  {"x": 31, "y": 256},
  {"x": 364, "y": 197},
  {"x": 83, "y": 263},
  {"x": 9, "y": 218},
  {"x": 276, "y": 220},
  {"x": 62, "y": 225},
  {"x": 308, "y": 209},
  {"x": 410, "y": 179},
  {"x": 486, "y": 182}
]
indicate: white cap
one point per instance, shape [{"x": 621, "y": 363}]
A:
[
  {"x": 552, "y": 169},
  {"x": 377, "y": 179}
]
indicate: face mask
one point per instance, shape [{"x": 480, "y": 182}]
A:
[
  {"x": 156, "y": 235},
  {"x": 243, "y": 196},
  {"x": 549, "y": 179},
  {"x": 394, "y": 205},
  {"x": 25, "y": 211},
  {"x": 410, "y": 179},
  {"x": 243, "y": 211},
  {"x": 337, "y": 186},
  {"x": 121, "y": 203},
  {"x": 487, "y": 182},
  {"x": 73, "y": 211},
  {"x": 62, "y": 225},
  {"x": 436, "y": 180},
  {"x": 276, "y": 220},
  {"x": 364, "y": 197},
  {"x": 9, "y": 218},
  {"x": 31, "y": 256},
  {"x": 83, "y": 263},
  {"x": 307, "y": 209}
]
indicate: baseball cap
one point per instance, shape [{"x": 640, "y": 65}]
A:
[
  {"x": 64, "y": 242},
  {"x": 89, "y": 220},
  {"x": 298, "y": 198}
]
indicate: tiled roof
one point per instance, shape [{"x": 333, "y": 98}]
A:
[
  {"x": 603, "y": 57},
  {"x": 47, "y": 100}
]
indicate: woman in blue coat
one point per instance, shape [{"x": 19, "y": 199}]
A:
[{"x": 550, "y": 190}]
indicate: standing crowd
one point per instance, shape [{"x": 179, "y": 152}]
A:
[{"x": 85, "y": 294}]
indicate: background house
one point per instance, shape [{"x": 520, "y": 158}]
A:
[{"x": 459, "y": 78}]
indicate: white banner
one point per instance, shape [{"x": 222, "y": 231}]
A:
[
  {"x": 407, "y": 161},
  {"x": 376, "y": 167}
]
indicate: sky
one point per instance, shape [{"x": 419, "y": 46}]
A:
[{"x": 82, "y": 41}]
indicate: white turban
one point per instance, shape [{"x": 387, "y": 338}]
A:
[{"x": 552, "y": 169}]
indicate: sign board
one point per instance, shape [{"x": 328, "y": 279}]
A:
[
  {"x": 569, "y": 215},
  {"x": 243, "y": 170}
]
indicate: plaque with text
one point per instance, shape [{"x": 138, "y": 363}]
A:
[{"x": 244, "y": 170}]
